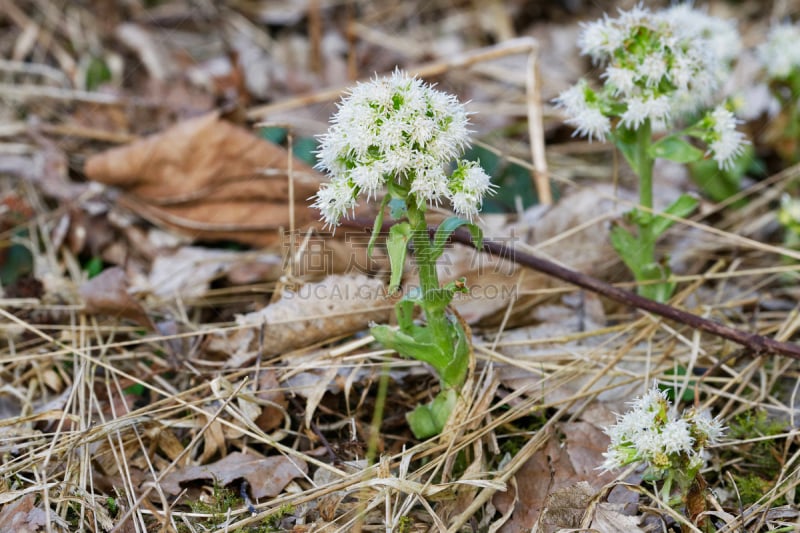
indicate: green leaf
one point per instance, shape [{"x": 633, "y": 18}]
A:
[
  {"x": 447, "y": 228},
  {"x": 681, "y": 208},
  {"x": 97, "y": 73},
  {"x": 397, "y": 246},
  {"x": 451, "y": 364},
  {"x": 429, "y": 420},
  {"x": 93, "y": 266},
  {"x": 626, "y": 141},
  {"x": 456, "y": 370},
  {"x": 274, "y": 134},
  {"x": 675, "y": 149},
  {"x": 305, "y": 149},
  {"x": 404, "y": 309},
  {"x": 408, "y": 345},
  {"x": 378, "y": 226},
  {"x": 16, "y": 261},
  {"x": 628, "y": 247}
]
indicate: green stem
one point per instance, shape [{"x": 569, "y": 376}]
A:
[
  {"x": 428, "y": 277},
  {"x": 644, "y": 138}
]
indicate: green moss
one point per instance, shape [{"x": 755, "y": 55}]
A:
[
  {"x": 762, "y": 454},
  {"x": 224, "y": 499},
  {"x": 752, "y": 487},
  {"x": 758, "y": 463}
]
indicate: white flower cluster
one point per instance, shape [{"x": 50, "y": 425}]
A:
[
  {"x": 725, "y": 142},
  {"x": 657, "y": 65},
  {"x": 653, "y": 434},
  {"x": 780, "y": 54},
  {"x": 397, "y": 128}
]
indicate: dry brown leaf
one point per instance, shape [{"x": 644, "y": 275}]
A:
[
  {"x": 267, "y": 476},
  {"x": 188, "y": 271},
  {"x": 338, "y": 305},
  {"x": 272, "y": 413},
  {"x": 107, "y": 294},
  {"x": 554, "y": 467},
  {"x": 608, "y": 518},
  {"x": 210, "y": 179},
  {"x": 22, "y": 517}
]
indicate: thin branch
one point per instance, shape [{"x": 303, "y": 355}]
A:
[{"x": 759, "y": 344}]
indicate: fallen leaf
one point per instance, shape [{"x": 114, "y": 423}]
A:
[
  {"x": 609, "y": 518},
  {"x": 272, "y": 412},
  {"x": 565, "y": 507},
  {"x": 188, "y": 271},
  {"x": 555, "y": 467},
  {"x": 338, "y": 305},
  {"x": 267, "y": 476},
  {"x": 210, "y": 179},
  {"x": 107, "y": 294},
  {"x": 22, "y": 517}
]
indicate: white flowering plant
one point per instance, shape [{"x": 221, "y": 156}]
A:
[
  {"x": 671, "y": 447},
  {"x": 396, "y": 136},
  {"x": 780, "y": 58},
  {"x": 659, "y": 68}
]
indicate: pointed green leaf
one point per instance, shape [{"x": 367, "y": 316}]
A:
[
  {"x": 682, "y": 207},
  {"x": 378, "y": 226},
  {"x": 447, "y": 228},
  {"x": 455, "y": 372},
  {"x": 397, "y": 246},
  {"x": 404, "y": 309},
  {"x": 408, "y": 346},
  {"x": 628, "y": 247},
  {"x": 675, "y": 149}
]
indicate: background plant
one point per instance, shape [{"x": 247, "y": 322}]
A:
[
  {"x": 397, "y": 134},
  {"x": 659, "y": 67},
  {"x": 780, "y": 57}
]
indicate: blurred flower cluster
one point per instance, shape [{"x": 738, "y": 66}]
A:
[
  {"x": 398, "y": 129},
  {"x": 780, "y": 53},
  {"x": 659, "y": 67}
]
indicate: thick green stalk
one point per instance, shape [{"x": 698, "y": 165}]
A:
[
  {"x": 428, "y": 277},
  {"x": 645, "y": 163}
]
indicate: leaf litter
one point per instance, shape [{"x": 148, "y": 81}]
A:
[{"x": 212, "y": 348}]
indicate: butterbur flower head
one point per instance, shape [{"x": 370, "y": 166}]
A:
[
  {"x": 658, "y": 66},
  {"x": 467, "y": 188},
  {"x": 780, "y": 54},
  {"x": 394, "y": 128},
  {"x": 584, "y": 112},
  {"x": 653, "y": 434},
  {"x": 725, "y": 142}
]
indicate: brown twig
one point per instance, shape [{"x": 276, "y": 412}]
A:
[{"x": 759, "y": 344}]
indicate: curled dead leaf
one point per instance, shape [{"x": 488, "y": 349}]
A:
[{"x": 210, "y": 179}]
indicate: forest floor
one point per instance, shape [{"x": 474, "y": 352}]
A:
[{"x": 185, "y": 348}]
